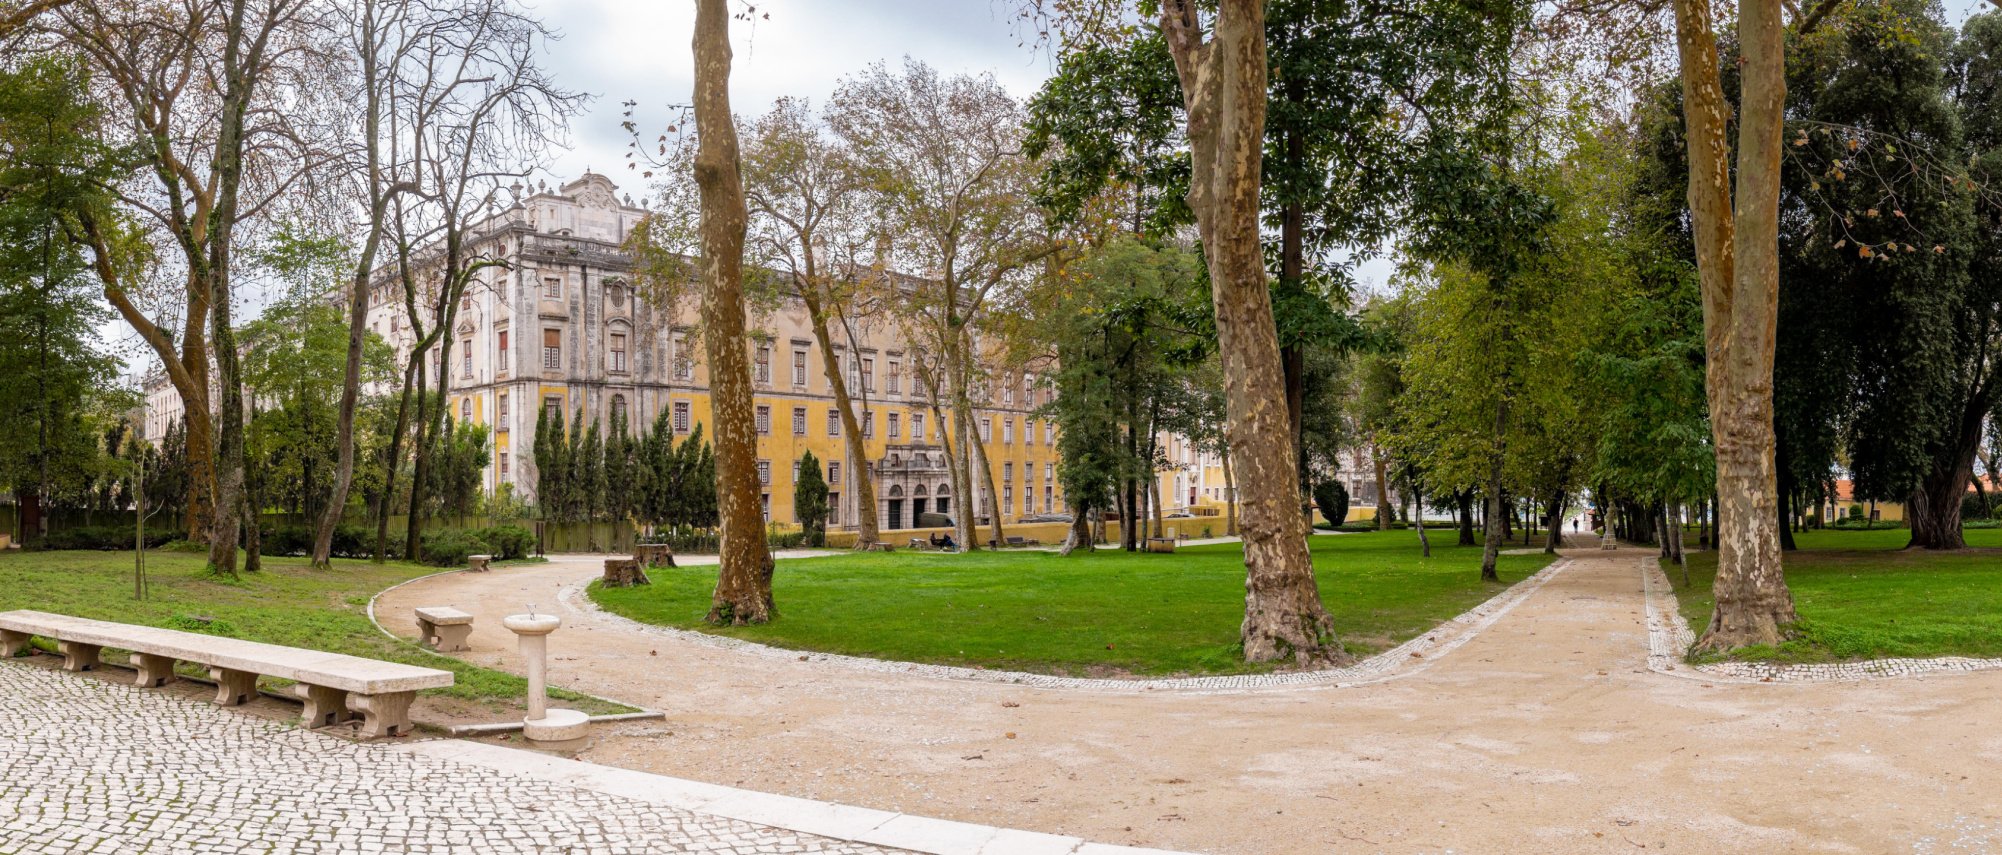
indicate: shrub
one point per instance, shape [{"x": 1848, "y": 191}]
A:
[
  {"x": 102, "y": 537},
  {"x": 449, "y": 547},
  {"x": 1333, "y": 500},
  {"x": 1971, "y": 508},
  {"x": 507, "y": 541}
]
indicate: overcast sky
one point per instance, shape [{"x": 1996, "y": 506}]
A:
[{"x": 638, "y": 50}]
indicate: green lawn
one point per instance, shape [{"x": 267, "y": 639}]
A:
[
  {"x": 287, "y": 603},
  {"x": 1105, "y": 613},
  {"x": 1861, "y": 596}
]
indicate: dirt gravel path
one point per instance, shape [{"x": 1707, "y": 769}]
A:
[{"x": 1546, "y": 733}]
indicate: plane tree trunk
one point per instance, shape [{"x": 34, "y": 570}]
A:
[
  {"x": 1223, "y": 78},
  {"x": 744, "y": 579}
]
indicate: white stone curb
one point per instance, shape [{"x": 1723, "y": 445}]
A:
[
  {"x": 822, "y": 819},
  {"x": 1669, "y": 639},
  {"x": 1409, "y": 658}
]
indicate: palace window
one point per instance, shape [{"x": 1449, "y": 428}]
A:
[
  {"x": 466, "y": 357},
  {"x": 764, "y": 421},
  {"x": 798, "y": 367},
  {"x": 618, "y": 407},
  {"x": 763, "y": 371},
  {"x": 552, "y": 288},
  {"x": 895, "y": 386},
  {"x": 868, "y": 374},
  {"x": 765, "y": 472},
  {"x": 986, "y": 430},
  {"x": 504, "y": 475},
  {"x": 465, "y": 410},
  {"x": 896, "y": 426},
  {"x": 553, "y": 406},
  {"x": 1007, "y": 431},
  {"x": 618, "y": 352},
  {"x": 918, "y": 427},
  {"x": 799, "y": 421},
  {"x": 680, "y": 416},
  {"x": 833, "y": 422},
  {"x": 684, "y": 367},
  {"x": 500, "y": 359},
  {"x": 552, "y": 349},
  {"x": 833, "y": 473},
  {"x": 868, "y": 424},
  {"x": 500, "y": 414}
]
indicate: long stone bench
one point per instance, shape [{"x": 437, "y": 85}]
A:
[{"x": 334, "y": 686}]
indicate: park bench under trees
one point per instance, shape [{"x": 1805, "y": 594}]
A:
[{"x": 335, "y": 687}]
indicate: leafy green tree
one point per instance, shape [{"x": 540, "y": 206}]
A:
[
  {"x": 55, "y": 399},
  {"x": 809, "y": 500}
]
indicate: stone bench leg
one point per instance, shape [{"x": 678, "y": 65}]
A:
[
  {"x": 154, "y": 671},
  {"x": 12, "y": 643},
  {"x": 324, "y": 706},
  {"x": 454, "y": 636},
  {"x": 387, "y": 714},
  {"x": 78, "y": 656},
  {"x": 233, "y": 688},
  {"x": 426, "y": 632}
]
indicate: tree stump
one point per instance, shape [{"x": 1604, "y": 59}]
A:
[
  {"x": 625, "y": 573},
  {"x": 654, "y": 555}
]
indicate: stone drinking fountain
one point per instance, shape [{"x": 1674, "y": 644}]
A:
[{"x": 543, "y": 724}]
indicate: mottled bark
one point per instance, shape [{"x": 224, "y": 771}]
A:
[
  {"x": 744, "y": 579},
  {"x": 1230, "y": 497},
  {"x": 1223, "y": 80},
  {"x": 993, "y": 498},
  {"x": 864, "y": 487},
  {"x": 1737, "y": 252}
]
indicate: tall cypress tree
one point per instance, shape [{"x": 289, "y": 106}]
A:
[{"x": 809, "y": 500}]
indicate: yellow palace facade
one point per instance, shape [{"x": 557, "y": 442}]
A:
[{"x": 559, "y": 327}]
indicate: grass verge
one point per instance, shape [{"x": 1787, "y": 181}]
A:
[
  {"x": 286, "y": 603},
  {"x": 1108, "y": 613},
  {"x": 1860, "y": 595}
]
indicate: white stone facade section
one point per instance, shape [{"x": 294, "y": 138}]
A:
[
  {"x": 1408, "y": 658},
  {"x": 1669, "y": 639}
]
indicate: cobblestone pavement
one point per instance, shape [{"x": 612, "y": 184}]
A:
[{"x": 91, "y": 766}]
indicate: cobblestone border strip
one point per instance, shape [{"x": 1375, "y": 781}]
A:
[
  {"x": 1409, "y": 658},
  {"x": 1669, "y": 639},
  {"x": 899, "y": 831}
]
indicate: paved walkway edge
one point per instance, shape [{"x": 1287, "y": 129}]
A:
[
  {"x": 1669, "y": 639},
  {"x": 1411, "y": 657},
  {"x": 823, "y": 819}
]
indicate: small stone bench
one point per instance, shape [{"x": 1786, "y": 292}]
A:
[
  {"x": 1160, "y": 544},
  {"x": 335, "y": 687},
  {"x": 478, "y": 563},
  {"x": 445, "y": 628}
]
